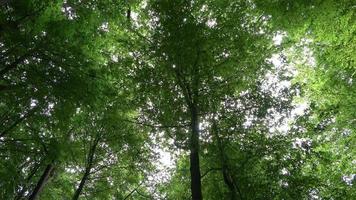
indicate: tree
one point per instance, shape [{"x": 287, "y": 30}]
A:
[
  {"x": 190, "y": 65},
  {"x": 50, "y": 74},
  {"x": 253, "y": 99},
  {"x": 323, "y": 52}
]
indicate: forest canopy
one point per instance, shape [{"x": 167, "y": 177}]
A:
[{"x": 177, "y": 99}]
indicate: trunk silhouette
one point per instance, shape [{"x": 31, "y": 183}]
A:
[
  {"x": 81, "y": 184},
  {"x": 25, "y": 186},
  {"x": 194, "y": 156},
  {"x": 42, "y": 182},
  {"x": 191, "y": 96},
  {"x": 228, "y": 180},
  {"x": 88, "y": 168},
  {"x": 235, "y": 192}
]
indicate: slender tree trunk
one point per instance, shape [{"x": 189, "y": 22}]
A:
[
  {"x": 88, "y": 168},
  {"x": 13, "y": 65},
  {"x": 230, "y": 182},
  {"x": 24, "y": 188},
  {"x": 228, "y": 178},
  {"x": 191, "y": 95},
  {"x": 42, "y": 182},
  {"x": 194, "y": 156},
  {"x": 18, "y": 121},
  {"x": 81, "y": 184}
]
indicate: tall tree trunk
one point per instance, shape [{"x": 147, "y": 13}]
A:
[
  {"x": 89, "y": 165},
  {"x": 81, "y": 184},
  {"x": 228, "y": 178},
  {"x": 191, "y": 95},
  {"x": 25, "y": 185},
  {"x": 42, "y": 182},
  {"x": 194, "y": 156}
]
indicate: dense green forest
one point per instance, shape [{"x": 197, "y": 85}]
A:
[{"x": 177, "y": 99}]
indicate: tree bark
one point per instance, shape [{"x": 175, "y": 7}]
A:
[
  {"x": 81, "y": 184},
  {"x": 194, "y": 156},
  {"x": 42, "y": 182},
  {"x": 88, "y": 168},
  {"x": 21, "y": 193},
  {"x": 228, "y": 178},
  {"x": 191, "y": 96}
]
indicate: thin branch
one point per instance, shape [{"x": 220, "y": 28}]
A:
[
  {"x": 210, "y": 170},
  {"x": 155, "y": 126},
  {"x": 133, "y": 191},
  {"x": 18, "y": 121}
]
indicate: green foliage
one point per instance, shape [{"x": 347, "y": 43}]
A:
[{"x": 94, "y": 88}]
